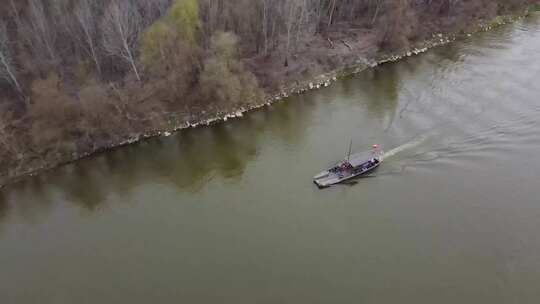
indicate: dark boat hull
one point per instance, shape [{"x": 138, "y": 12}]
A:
[{"x": 327, "y": 179}]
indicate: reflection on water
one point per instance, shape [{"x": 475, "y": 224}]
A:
[
  {"x": 380, "y": 89},
  {"x": 4, "y": 209},
  {"x": 187, "y": 160},
  {"x": 231, "y": 208},
  {"x": 191, "y": 158}
]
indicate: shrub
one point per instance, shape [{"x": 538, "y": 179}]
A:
[
  {"x": 54, "y": 115},
  {"x": 224, "y": 80},
  {"x": 178, "y": 27}
]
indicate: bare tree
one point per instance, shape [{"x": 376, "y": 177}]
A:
[
  {"x": 86, "y": 19},
  {"x": 377, "y": 10},
  {"x": 291, "y": 9},
  {"x": 7, "y": 67},
  {"x": 14, "y": 11},
  {"x": 42, "y": 34},
  {"x": 121, "y": 27},
  {"x": 332, "y": 10},
  {"x": 152, "y": 9},
  {"x": 265, "y": 25}
]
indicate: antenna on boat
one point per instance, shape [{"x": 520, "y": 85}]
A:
[{"x": 349, "y": 154}]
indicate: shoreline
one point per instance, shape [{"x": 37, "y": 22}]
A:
[{"x": 203, "y": 119}]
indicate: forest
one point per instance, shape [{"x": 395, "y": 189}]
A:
[{"x": 79, "y": 76}]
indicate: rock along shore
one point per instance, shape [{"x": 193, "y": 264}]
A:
[{"x": 195, "y": 120}]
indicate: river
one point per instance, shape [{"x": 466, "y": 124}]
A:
[{"x": 229, "y": 214}]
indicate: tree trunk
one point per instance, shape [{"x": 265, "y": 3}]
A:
[
  {"x": 330, "y": 19},
  {"x": 11, "y": 76}
]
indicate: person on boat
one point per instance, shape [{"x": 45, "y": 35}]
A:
[{"x": 346, "y": 166}]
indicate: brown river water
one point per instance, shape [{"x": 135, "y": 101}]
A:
[{"x": 229, "y": 214}]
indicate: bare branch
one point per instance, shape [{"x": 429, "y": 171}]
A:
[
  {"x": 121, "y": 26},
  {"x": 86, "y": 19},
  {"x": 7, "y": 66},
  {"x": 43, "y": 35}
]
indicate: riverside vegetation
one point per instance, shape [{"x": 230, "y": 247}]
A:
[{"x": 80, "y": 76}]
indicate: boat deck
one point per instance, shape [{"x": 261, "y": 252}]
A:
[{"x": 360, "y": 166}]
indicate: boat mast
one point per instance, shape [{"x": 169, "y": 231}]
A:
[{"x": 349, "y": 154}]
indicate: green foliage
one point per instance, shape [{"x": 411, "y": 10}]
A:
[
  {"x": 224, "y": 45},
  {"x": 224, "y": 80},
  {"x": 179, "y": 25},
  {"x": 154, "y": 41},
  {"x": 184, "y": 15}
]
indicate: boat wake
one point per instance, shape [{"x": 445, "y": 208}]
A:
[{"x": 407, "y": 146}]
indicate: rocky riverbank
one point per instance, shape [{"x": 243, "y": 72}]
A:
[{"x": 177, "y": 122}]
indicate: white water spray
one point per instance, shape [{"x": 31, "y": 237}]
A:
[{"x": 409, "y": 145}]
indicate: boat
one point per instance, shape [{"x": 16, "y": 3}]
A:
[{"x": 355, "y": 165}]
